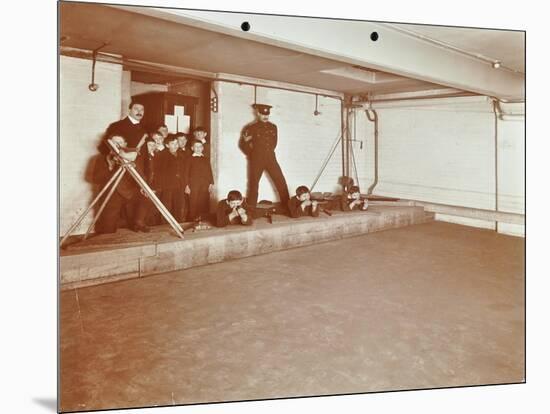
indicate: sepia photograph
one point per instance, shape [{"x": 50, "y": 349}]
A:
[{"x": 255, "y": 206}]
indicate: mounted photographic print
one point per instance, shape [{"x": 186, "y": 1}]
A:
[{"x": 259, "y": 206}]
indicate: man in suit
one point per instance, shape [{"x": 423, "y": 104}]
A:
[
  {"x": 129, "y": 128},
  {"x": 259, "y": 141},
  {"x": 125, "y": 199},
  {"x": 130, "y": 137}
]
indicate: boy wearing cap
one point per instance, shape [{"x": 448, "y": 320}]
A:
[
  {"x": 258, "y": 141},
  {"x": 301, "y": 204},
  {"x": 233, "y": 210},
  {"x": 199, "y": 182}
]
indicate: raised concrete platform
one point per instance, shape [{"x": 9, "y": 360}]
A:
[{"x": 125, "y": 255}]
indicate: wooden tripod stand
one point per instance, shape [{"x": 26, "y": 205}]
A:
[{"x": 125, "y": 166}]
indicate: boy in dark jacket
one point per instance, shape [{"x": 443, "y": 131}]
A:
[
  {"x": 233, "y": 210},
  {"x": 147, "y": 212},
  {"x": 301, "y": 204},
  {"x": 199, "y": 134},
  {"x": 351, "y": 200},
  {"x": 172, "y": 180},
  {"x": 199, "y": 182},
  {"x": 182, "y": 144}
]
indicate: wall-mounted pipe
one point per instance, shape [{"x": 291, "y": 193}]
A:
[
  {"x": 374, "y": 119},
  {"x": 508, "y": 100},
  {"x": 94, "y": 86},
  {"x": 498, "y": 113},
  {"x": 343, "y": 128},
  {"x": 501, "y": 114}
]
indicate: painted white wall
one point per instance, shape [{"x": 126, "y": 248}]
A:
[
  {"x": 304, "y": 141},
  {"x": 438, "y": 151},
  {"x": 442, "y": 151},
  {"x": 84, "y": 116}
]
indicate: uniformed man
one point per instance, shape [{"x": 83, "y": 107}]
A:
[{"x": 259, "y": 141}]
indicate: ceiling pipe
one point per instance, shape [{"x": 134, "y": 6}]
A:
[
  {"x": 495, "y": 63},
  {"x": 416, "y": 98},
  {"x": 134, "y": 64},
  {"x": 501, "y": 114},
  {"x": 283, "y": 88}
]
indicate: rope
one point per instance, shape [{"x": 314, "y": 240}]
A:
[
  {"x": 327, "y": 159},
  {"x": 354, "y": 164}
]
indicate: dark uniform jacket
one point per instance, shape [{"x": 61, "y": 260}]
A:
[
  {"x": 263, "y": 142},
  {"x": 198, "y": 173},
  {"x": 170, "y": 170},
  {"x": 222, "y": 214},
  {"x": 295, "y": 209}
]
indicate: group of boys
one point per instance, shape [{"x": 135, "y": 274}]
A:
[
  {"x": 178, "y": 170},
  {"x": 179, "y": 173},
  {"x": 302, "y": 203}
]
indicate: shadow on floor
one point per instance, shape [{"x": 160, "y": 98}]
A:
[{"x": 47, "y": 402}]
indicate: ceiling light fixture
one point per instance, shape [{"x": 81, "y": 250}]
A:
[{"x": 496, "y": 64}]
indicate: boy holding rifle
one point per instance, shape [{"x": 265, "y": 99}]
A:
[
  {"x": 351, "y": 200},
  {"x": 302, "y": 205},
  {"x": 233, "y": 210}
]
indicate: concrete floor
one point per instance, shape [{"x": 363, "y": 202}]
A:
[{"x": 430, "y": 305}]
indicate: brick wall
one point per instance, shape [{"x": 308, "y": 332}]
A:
[{"x": 84, "y": 115}]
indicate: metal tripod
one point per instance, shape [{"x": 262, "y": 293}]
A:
[{"x": 125, "y": 166}]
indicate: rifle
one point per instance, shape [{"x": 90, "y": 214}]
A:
[{"x": 268, "y": 211}]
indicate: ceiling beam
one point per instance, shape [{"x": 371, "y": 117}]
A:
[{"x": 349, "y": 41}]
